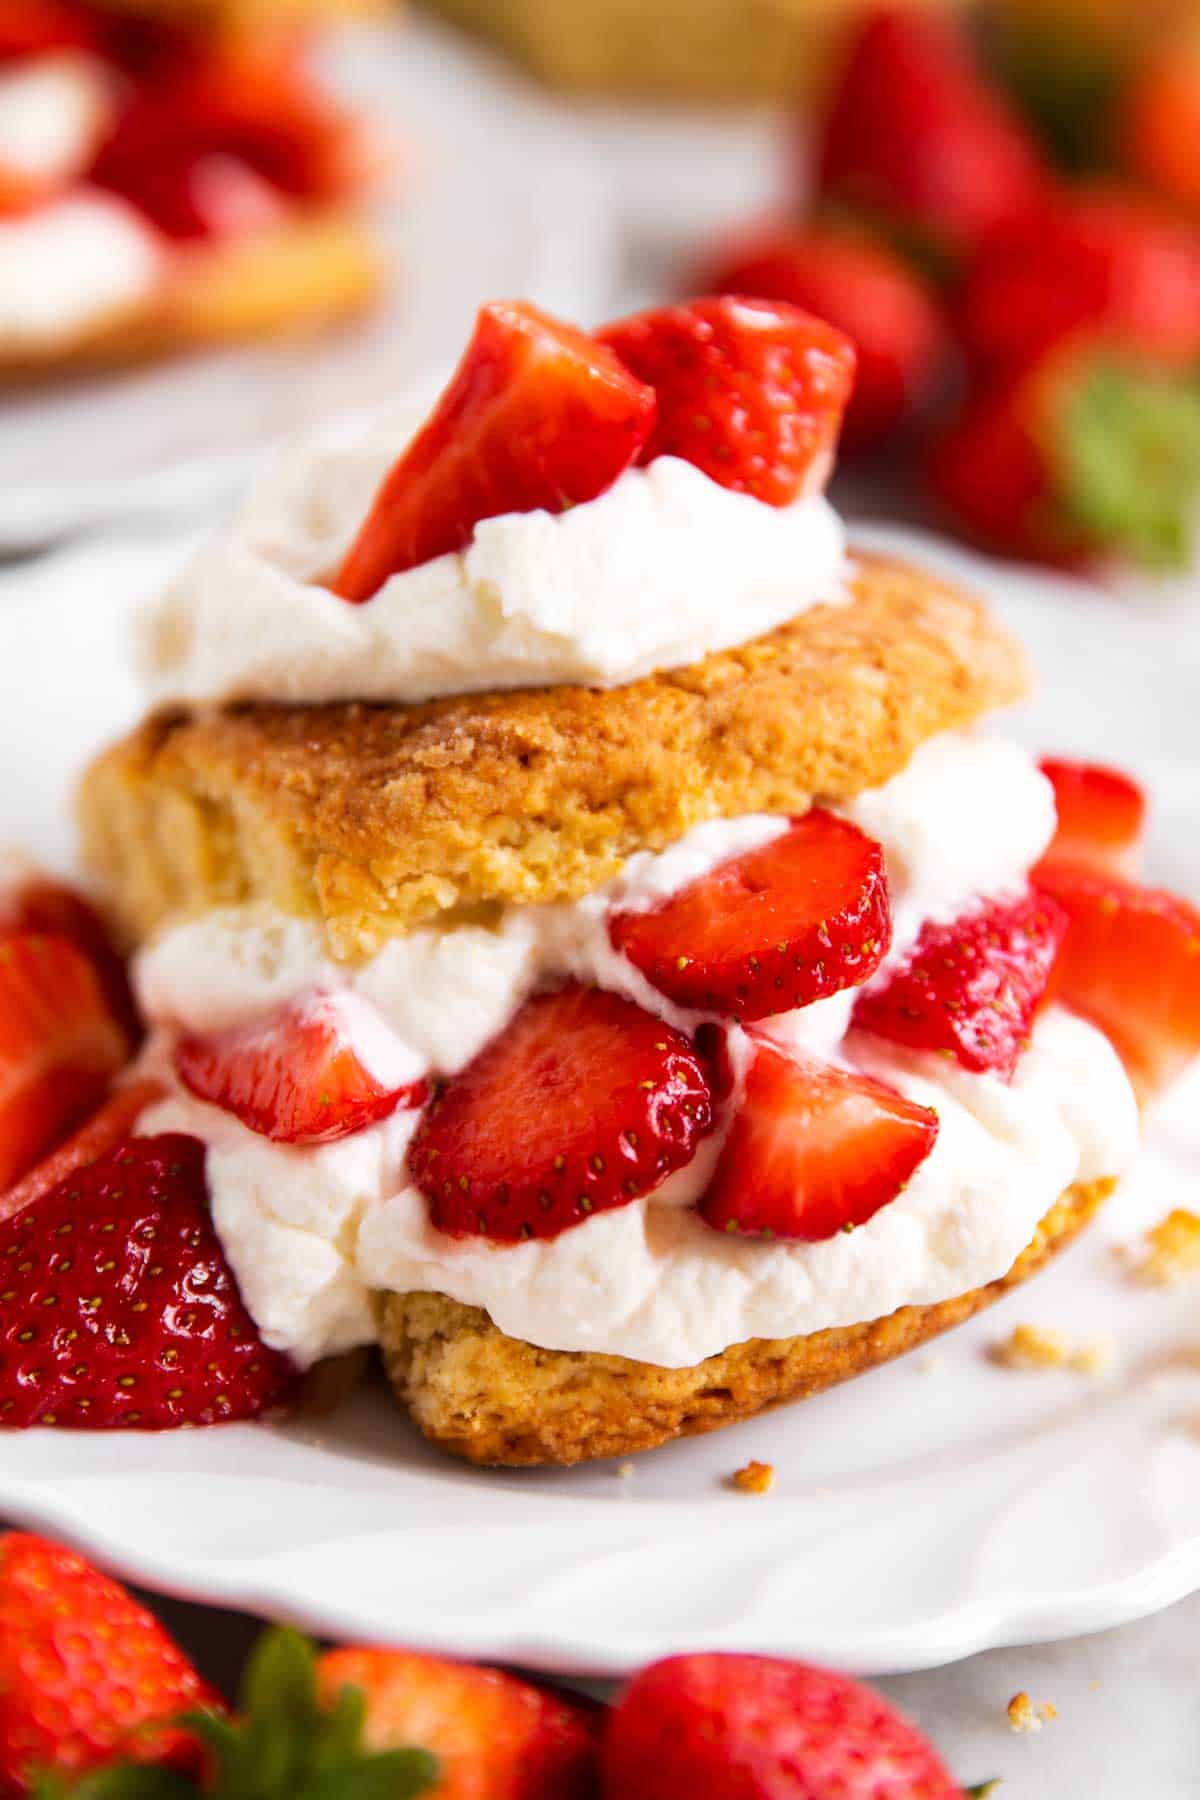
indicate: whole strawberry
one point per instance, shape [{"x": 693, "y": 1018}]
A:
[
  {"x": 117, "y": 1307},
  {"x": 83, "y": 1668},
  {"x": 725, "y": 1727}
]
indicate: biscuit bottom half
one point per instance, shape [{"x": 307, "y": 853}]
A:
[{"x": 495, "y": 1400}]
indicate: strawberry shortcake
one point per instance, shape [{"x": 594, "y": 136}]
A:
[
  {"x": 587, "y": 946},
  {"x": 169, "y": 176}
]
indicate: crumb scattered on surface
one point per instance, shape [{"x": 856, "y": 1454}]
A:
[
  {"x": 1171, "y": 1250},
  {"x": 929, "y": 1364},
  {"x": 624, "y": 1471},
  {"x": 1024, "y": 1716},
  {"x": 1042, "y": 1347},
  {"x": 755, "y": 1478}
]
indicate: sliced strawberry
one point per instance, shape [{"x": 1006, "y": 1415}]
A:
[
  {"x": 751, "y": 391},
  {"x": 794, "y": 921},
  {"x": 60, "y": 1046},
  {"x": 538, "y": 416},
  {"x": 56, "y": 910},
  {"x": 1131, "y": 964},
  {"x": 972, "y": 988},
  {"x": 294, "y": 1077},
  {"x": 1101, "y": 816},
  {"x": 813, "y": 1149},
  {"x": 98, "y": 1137},
  {"x": 35, "y": 27},
  {"x": 494, "y": 1737},
  {"x": 85, "y": 1671},
  {"x": 583, "y": 1103},
  {"x": 119, "y": 1308}
]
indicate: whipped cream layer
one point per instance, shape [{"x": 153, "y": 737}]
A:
[
  {"x": 312, "y": 1232},
  {"x": 52, "y": 112},
  {"x": 71, "y": 264},
  {"x": 663, "y": 569}
]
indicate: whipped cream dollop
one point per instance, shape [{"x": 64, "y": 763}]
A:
[
  {"x": 312, "y": 1233},
  {"x": 73, "y": 263},
  {"x": 52, "y": 112},
  {"x": 662, "y": 569}
]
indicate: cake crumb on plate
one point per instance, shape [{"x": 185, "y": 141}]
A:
[
  {"x": 1172, "y": 1250},
  {"x": 755, "y": 1478},
  {"x": 1043, "y": 1347},
  {"x": 1024, "y": 1716}
]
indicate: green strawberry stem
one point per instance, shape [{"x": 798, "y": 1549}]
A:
[
  {"x": 1125, "y": 454},
  {"x": 284, "y": 1745}
]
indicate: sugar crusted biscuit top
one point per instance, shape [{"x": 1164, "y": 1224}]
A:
[{"x": 379, "y": 819}]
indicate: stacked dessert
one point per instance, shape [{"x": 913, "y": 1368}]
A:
[
  {"x": 586, "y": 946},
  {"x": 169, "y": 175}
]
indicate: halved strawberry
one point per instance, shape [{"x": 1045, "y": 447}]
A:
[
  {"x": 40, "y": 904},
  {"x": 779, "y": 927},
  {"x": 537, "y": 416},
  {"x": 97, "y": 1137},
  {"x": 813, "y": 1149},
  {"x": 751, "y": 391},
  {"x": 118, "y": 1308},
  {"x": 972, "y": 988},
  {"x": 1101, "y": 816},
  {"x": 294, "y": 1077},
  {"x": 583, "y": 1103},
  {"x": 1131, "y": 964},
  {"x": 60, "y": 1045}
]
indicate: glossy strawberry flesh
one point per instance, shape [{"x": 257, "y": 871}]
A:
[
  {"x": 735, "y": 1727},
  {"x": 974, "y": 987},
  {"x": 119, "y": 1309},
  {"x": 60, "y": 1046},
  {"x": 55, "y": 910},
  {"x": 752, "y": 392},
  {"x": 86, "y": 1673},
  {"x": 537, "y": 417},
  {"x": 1101, "y": 816},
  {"x": 813, "y": 1150},
  {"x": 41, "y": 27},
  {"x": 794, "y": 921},
  {"x": 885, "y": 309},
  {"x": 98, "y": 1136},
  {"x": 583, "y": 1103},
  {"x": 1131, "y": 964},
  {"x": 294, "y": 1077}
]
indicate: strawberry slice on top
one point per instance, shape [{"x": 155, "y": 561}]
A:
[
  {"x": 1101, "y": 816},
  {"x": 294, "y": 1077},
  {"x": 583, "y": 1103},
  {"x": 813, "y": 1149},
  {"x": 794, "y": 921},
  {"x": 1131, "y": 964},
  {"x": 972, "y": 988},
  {"x": 60, "y": 1045},
  {"x": 537, "y": 416},
  {"x": 752, "y": 392}
]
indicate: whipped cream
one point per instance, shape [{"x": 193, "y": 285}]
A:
[
  {"x": 76, "y": 262},
  {"x": 52, "y": 112},
  {"x": 661, "y": 570},
  {"x": 312, "y": 1232}
]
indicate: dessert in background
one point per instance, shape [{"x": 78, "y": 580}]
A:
[{"x": 170, "y": 176}]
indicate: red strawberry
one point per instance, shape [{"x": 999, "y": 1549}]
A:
[
  {"x": 813, "y": 1150},
  {"x": 35, "y": 27},
  {"x": 1099, "y": 260},
  {"x": 97, "y": 1137},
  {"x": 537, "y": 416},
  {"x": 972, "y": 988},
  {"x": 1101, "y": 816},
  {"x": 751, "y": 391},
  {"x": 727, "y": 1727},
  {"x": 583, "y": 1103},
  {"x": 886, "y": 310},
  {"x": 1131, "y": 964},
  {"x": 1087, "y": 454},
  {"x": 59, "y": 1046},
  {"x": 119, "y": 1308},
  {"x": 293, "y": 1077},
  {"x": 83, "y": 1669},
  {"x": 915, "y": 137},
  {"x": 495, "y": 1738},
  {"x": 50, "y": 907},
  {"x": 779, "y": 927}
]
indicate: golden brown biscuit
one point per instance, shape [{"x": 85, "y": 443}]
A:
[
  {"x": 379, "y": 819},
  {"x": 493, "y": 1399},
  {"x": 300, "y": 276}
]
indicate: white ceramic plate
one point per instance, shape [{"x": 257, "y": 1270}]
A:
[{"x": 922, "y": 1513}]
